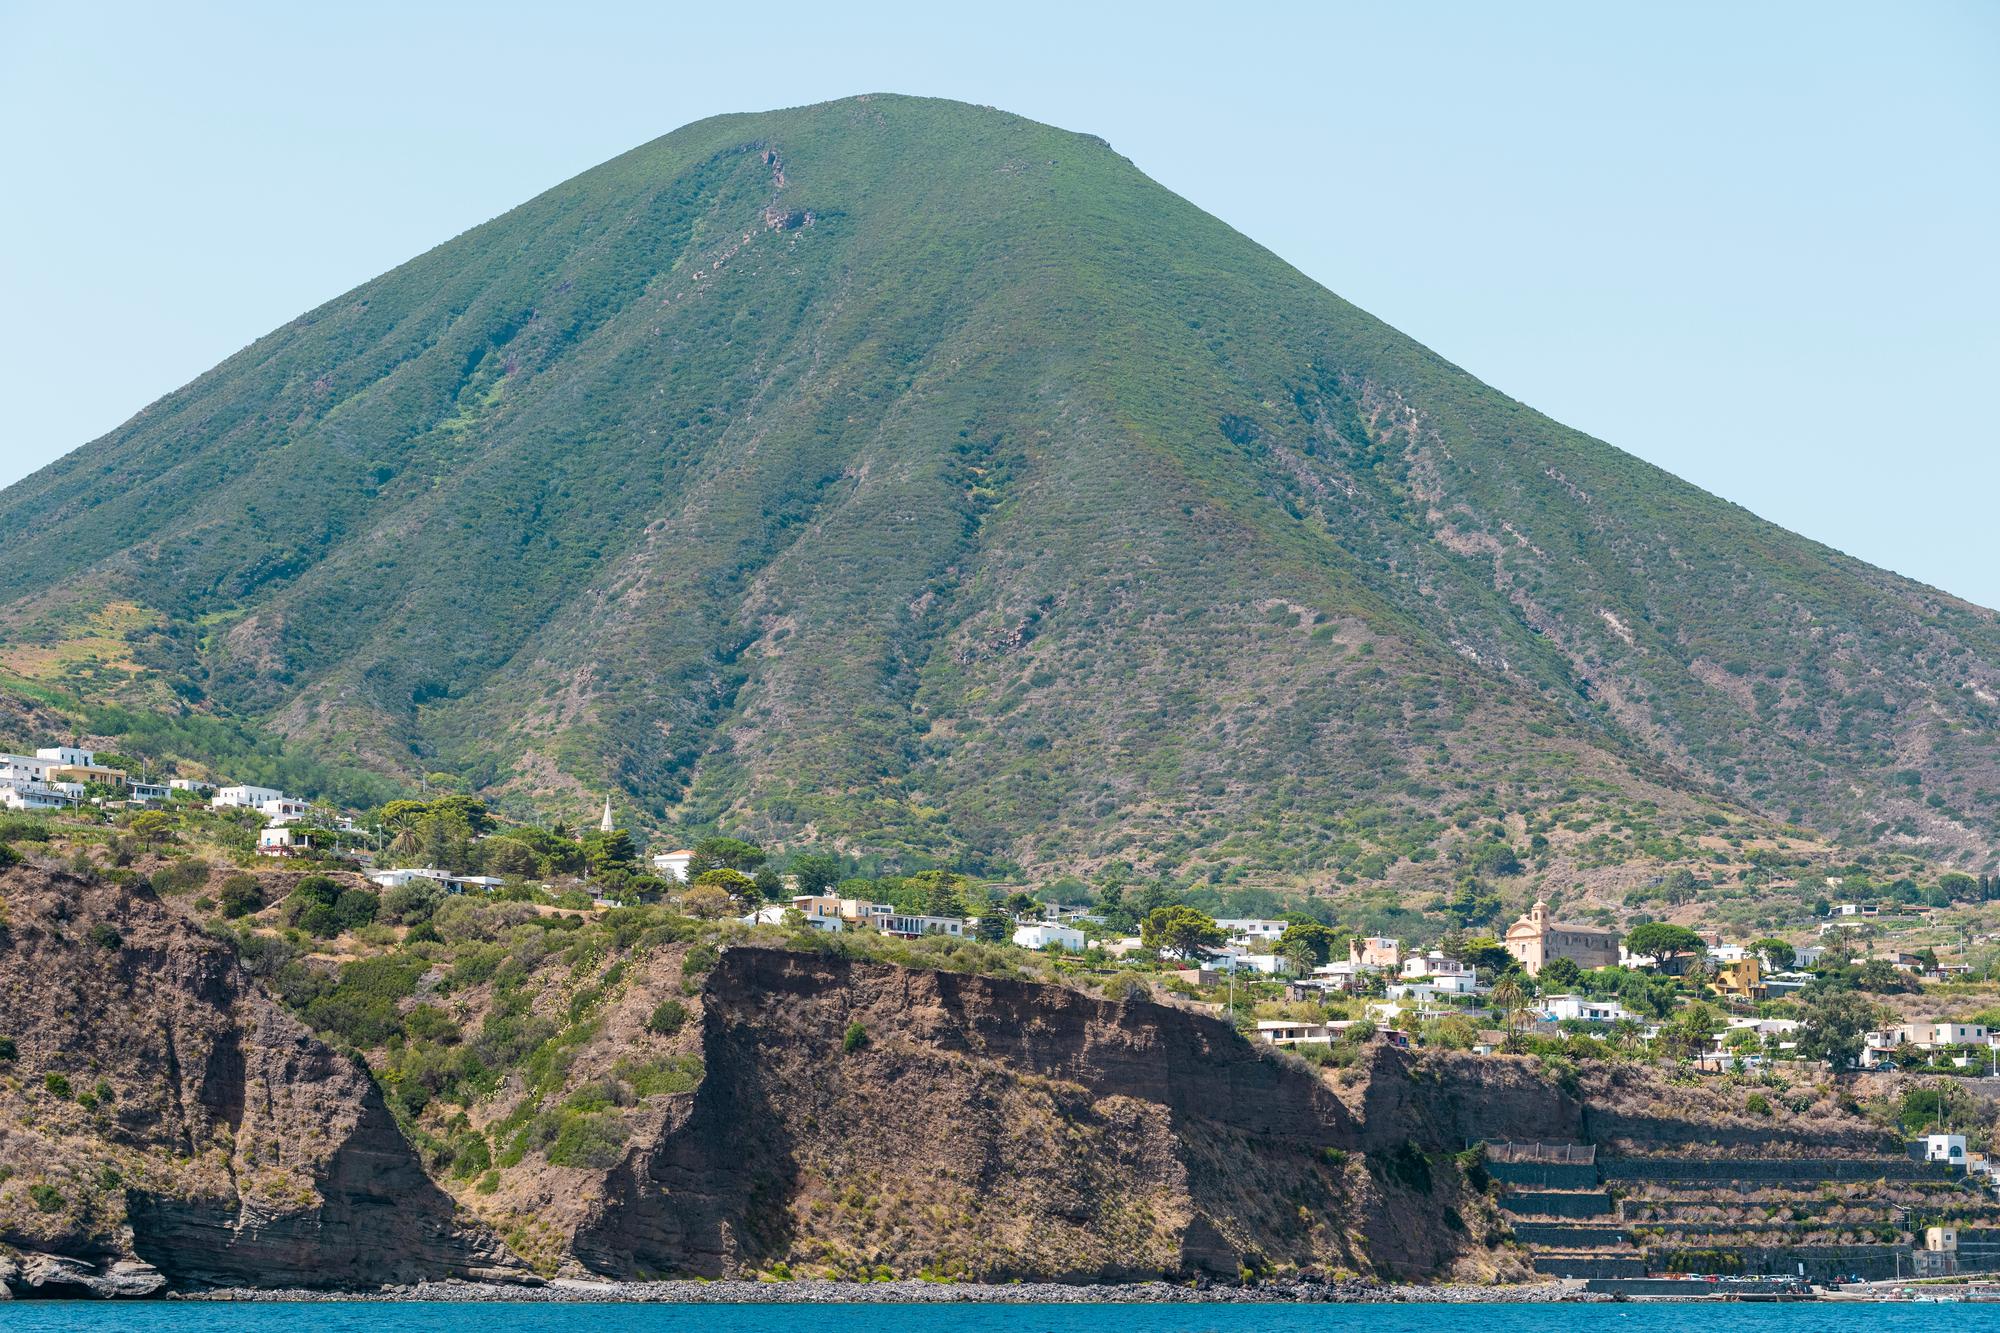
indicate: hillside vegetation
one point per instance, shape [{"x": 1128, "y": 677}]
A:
[{"x": 916, "y": 478}]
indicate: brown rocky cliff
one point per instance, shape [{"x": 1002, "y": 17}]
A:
[
  {"x": 162, "y": 1107},
  {"x": 993, "y": 1128}
]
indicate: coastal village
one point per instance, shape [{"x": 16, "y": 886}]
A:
[
  {"x": 1541, "y": 978},
  {"x": 1862, "y": 989}
]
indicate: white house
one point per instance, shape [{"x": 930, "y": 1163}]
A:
[
  {"x": 1431, "y": 988},
  {"x": 1250, "y": 929},
  {"x": 282, "y": 809},
  {"x": 246, "y": 797},
  {"x": 398, "y": 877},
  {"x": 1944, "y": 1148},
  {"x": 911, "y": 925},
  {"x": 1434, "y": 965},
  {"x": 146, "y": 791},
  {"x": 281, "y": 840},
  {"x": 67, "y": 756},
  {"x": 1578, "y": 1007},
  {"x": 1043, "y": 934},
  {"x": 1292, "y": 1032},
  {"x": 32, "y": 794},
  {"x": 1340, "y": 975},
  {"x": 195, "y": 785},
  {"x": 673, "y": 865},
  {"x": 1235, "y": 958},
  {"x": 1266, "y": 964}
]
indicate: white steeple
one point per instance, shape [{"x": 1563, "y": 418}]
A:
[{"x": 605, "y": 823}]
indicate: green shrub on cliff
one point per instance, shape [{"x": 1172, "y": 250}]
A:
[
  {"x": 1126, "y": 986},
  {"x": 241, "y": 895},
  {"x": 590, "y": 1140},
  {"x": 674, "y": 1074},
  {"x": 668, "y": 1018}
]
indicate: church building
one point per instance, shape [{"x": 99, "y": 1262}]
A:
[{"x": 1536, "y": 941}]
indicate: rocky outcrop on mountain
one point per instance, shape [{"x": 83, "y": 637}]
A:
[{"x": 163, "y": 1120}]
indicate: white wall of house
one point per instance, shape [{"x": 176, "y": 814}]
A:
[
  {"x": 67, "y": 756},
  {"x": 673, "y": 865},
  {"x": 1042, "y": 934},
  {"x": 244, "y": 796}
]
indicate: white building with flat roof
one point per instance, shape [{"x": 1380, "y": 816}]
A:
[
  {"x": 67, "y": 756},
  {"x": 1251, "y": 929},
  {"x": 282, "y": 840},
  {"x": 673, "y": 865},
  {"x": 1044, "y": 934},
  {"x": 283, "y": 809},
  {"x": 1582, "y": 1008},
  {"x": 244, "y": 797}
]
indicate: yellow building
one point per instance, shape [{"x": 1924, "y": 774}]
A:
[{"x": 1740, "y": 980}]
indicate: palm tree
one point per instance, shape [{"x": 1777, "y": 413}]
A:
[
  {"x": 1507, "y": 999},
  {"x": 1624, "y": 1033}
]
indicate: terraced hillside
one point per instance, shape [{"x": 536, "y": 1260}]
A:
[{"x": 920, "y": 478}]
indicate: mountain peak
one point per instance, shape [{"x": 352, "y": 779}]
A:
[{"x": 921, "y": 479}]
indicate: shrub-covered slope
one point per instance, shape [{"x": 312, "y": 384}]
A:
[{"x": 918, "y": 476}]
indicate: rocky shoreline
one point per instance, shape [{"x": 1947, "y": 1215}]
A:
[{"x": 732, "y": 1292}]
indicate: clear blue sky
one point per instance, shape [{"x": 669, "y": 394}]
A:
[{"x": 1756, "y": 244}]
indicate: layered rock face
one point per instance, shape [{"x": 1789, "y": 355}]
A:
[
  {"x": 167, "y": 1121},
  {"x": 868, "y": 1116}
]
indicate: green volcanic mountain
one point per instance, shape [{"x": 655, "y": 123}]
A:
[{"x": 910, "y": 476}]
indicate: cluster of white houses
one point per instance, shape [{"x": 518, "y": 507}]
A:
[
  {"x": 833, "y": 914},
  {"x": 58, "y": 776}
]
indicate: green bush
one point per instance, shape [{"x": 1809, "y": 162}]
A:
[
  {"x": 668, "y": 1018},
  {"x": 105, "y": 936},
  {"x": 8, "y": 1050},
  {"x": 427, "y": 1022},
  {"x": 587, "y": 1140},
  {"x": 179, "y": 877},
  {"x": 675, "y": 1074},
  {"x": 854, "y": 1038},
  {"x": 319, "y": 906},
  {"x": 1127, "y": 986},
  {"x": 57, "y": 1085},
  {"x": 241, "y": 895},
  {"x": 46, "y": 1197}
]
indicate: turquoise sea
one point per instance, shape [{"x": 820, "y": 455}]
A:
[{"x": 426, "y": 1317}]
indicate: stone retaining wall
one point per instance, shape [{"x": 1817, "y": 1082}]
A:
[
  {"x": 1770, "y": 1170},
  {"x": 1544, "y": 1204}
]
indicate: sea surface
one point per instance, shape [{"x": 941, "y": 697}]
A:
[{"x": 439, "y": 1317}]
